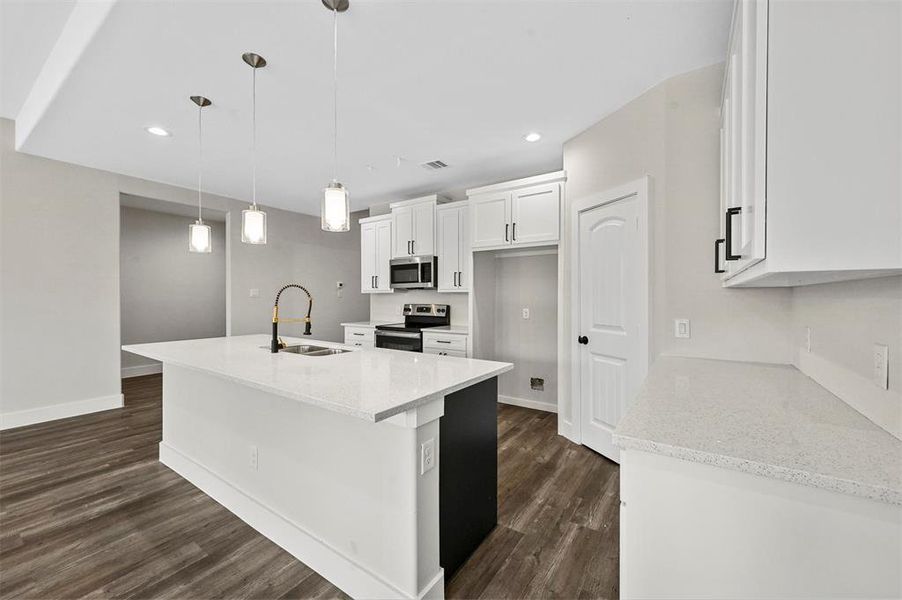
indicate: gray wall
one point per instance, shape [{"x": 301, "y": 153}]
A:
[
  {"x": 59, "y": 283},
  {"x": 165, "y": 292},
  {"x": 59, "y": 272},
  {"x": 527, "y": 282},
  {"x": 672, "y": 132}
]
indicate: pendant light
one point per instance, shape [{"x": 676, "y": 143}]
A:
[
  {"x": 335, "y": 210},
  {"x": 253, "y": 220},
  {"x": 200, "y": 236}
]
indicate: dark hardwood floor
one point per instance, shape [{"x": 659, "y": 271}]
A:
[{"x": 87, "y": 511}]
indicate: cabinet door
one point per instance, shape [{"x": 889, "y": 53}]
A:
[
  {"x": 424, "y": 229},
  {"x": 383, "y": 256},
  {"x": 464, "y": 251},
  {"x": 448, "y": 243},
  {"x": 368, "y": 253},
  {"x": 490, "y": 220},
  {"x": 535, "y": 213},
  {"x": 402, "y": 231}
]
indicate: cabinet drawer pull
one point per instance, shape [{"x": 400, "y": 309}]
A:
[
  {"x": 514, "y": 236},
  {"x": 717, "y": 245},
  {"x": 360, "y": 334},
  {"x": 728, "y": 233},
  {"x": 506, "y": 231},
  {"x": 413, "y": 246},
  {"x": 443, "y": 341}
]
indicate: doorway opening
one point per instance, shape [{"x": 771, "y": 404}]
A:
[{"x": 167, "y": 293}]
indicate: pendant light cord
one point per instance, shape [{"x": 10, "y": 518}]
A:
[
  {"x": 254, "y": 138},
  {"x": 200, "y": 160},
  {"x": 335, "y": 95}
]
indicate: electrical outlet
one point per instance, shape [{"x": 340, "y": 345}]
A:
[
  {"x": 808, "y": 339},
  {"x": 427, "y": 456},
  {"x": 537, "y": 383},
  {"x": 881, "y": 366},
  {"x": 254, "y": 293},
  {"x": 681, "y": 328},
  {"x": 525, "y": 313},
  {"x": 338, "y": 288},
  {"x": 253, "y": 458}
]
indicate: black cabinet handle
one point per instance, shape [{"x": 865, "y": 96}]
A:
[
  {"x": 413, "y": 246},
  {"x": 728, "y": 235},
  {"x": 377, "y": 282},
  {"x": 582, "y": 340},
  {"x": 717, "y": 244},
  {"x": 514, "y": 236},
  {"x": 506, "y": 232}
]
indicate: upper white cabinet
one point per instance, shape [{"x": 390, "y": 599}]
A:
[
  {"x": 452, "y": 240},
  {"x": 375, "y": 254},
  {"x": 525, "y": 212},
  {"x": 413, "y": 227},
  {"x": 811, "y": 143}
]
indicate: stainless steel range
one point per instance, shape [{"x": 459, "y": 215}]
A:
[{"x": 409, "y": 334}]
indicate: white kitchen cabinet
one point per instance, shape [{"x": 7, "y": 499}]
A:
[
  {"x": 413, "y": 227},
  {"x": 362, "y": 337},
  {"x": 445, "y": 343},
  {"x": 453, "y": 246},
  {"x": 811, "y": 97},
  {"x": 520, "y": 213},
  {"x": 375, "y": 254}
]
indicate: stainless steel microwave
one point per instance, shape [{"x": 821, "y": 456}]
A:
[{"x": 413, "y": 272}]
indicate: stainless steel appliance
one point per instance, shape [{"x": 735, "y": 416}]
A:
[
  {"x": 409, "y": 334},
  {"x": 413, "y": 272}
]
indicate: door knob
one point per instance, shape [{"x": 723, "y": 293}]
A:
[{"x": 582, "y": 340}]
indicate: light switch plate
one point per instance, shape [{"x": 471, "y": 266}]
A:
[
  {"x": 881, "y": 366},
  {"x": 254, "y": 293},
  {"x": 681, "y": 328},
  {"x": 525, "y": 313}
]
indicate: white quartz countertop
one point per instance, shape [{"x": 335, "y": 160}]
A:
[
  {"x": 371, "y": 384},
  {"x": 769, "y": 420},
  {"x": 455, "y": 329},
  {"x": 369, "y": 323}
]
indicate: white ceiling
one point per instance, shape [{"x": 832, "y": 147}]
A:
[{"x": 459, "y": 81}]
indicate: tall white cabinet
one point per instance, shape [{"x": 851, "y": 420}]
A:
[
  {"x": 525, "y": 212},
  {"x": 453, "y": 245},
  {"x": 375, "y": 254},
  {"x": 811, "y": 143},
  {"x": 413, "y": 227}
]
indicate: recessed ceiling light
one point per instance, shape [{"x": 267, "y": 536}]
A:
[
  {"x": 532, "y": 136},
  {"x": 157, "y": 131}
]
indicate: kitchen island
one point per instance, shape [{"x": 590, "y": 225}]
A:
[{"x": 340, "y": 459}]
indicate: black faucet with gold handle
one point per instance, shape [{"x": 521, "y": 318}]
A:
[{"x": 277, "y": 344}]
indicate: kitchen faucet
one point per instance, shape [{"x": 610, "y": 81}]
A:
[{"x": 277, "y": 344}]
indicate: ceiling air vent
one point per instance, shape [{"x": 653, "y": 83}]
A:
[{"x": 434, "y": 165}]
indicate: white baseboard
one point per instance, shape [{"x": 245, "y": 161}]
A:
[
  {"x": 43, "y": 414},
  {"x": 352, "y": 578},
  {"x": 881, "y": 406},
  {"x": 525, "y": 403},
  {"x": 138, "y": 370}
]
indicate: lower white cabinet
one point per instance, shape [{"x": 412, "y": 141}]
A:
[
  {"x": 362, "y": 337},
  {"x": 445, "y": 343},
  {"x": 375, "y": 254}
]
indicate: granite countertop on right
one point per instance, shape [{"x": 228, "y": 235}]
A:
[{"x": 765, "y": 419}]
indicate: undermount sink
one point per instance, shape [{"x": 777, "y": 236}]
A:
[{"x": 308, "y": 350}]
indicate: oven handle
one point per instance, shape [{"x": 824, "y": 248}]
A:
[{"x": 400, "y": 334}]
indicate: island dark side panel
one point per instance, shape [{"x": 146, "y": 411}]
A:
[{"x": 468, "y": 472}]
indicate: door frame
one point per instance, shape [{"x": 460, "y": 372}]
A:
[{"x": 641, "y": 188}]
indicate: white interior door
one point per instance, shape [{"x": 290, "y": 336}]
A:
[{"x": 611, "y": 310}]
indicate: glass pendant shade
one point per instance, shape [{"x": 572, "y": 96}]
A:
[
  {"x": 200, "y": 237},
  {"x": 335, "y": 210},
  {"x": 253, "y": 226}
]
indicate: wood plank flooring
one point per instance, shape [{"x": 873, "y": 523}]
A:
[{"x": 86, "y": 510}]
